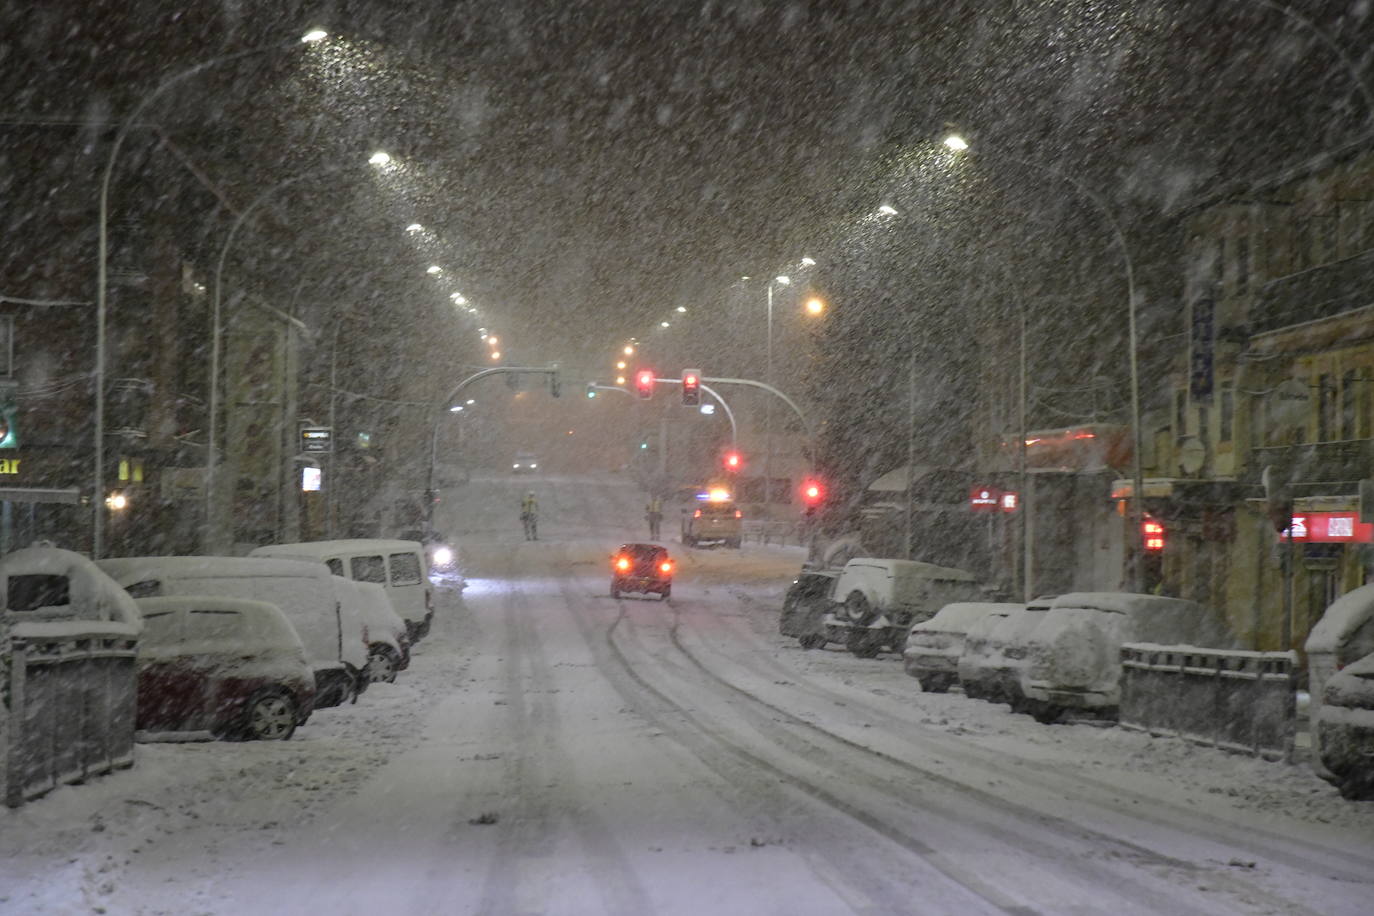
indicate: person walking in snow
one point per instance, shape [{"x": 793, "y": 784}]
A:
[
  {"x": 529, "y": 515},
  {"x": 654, "y": 513}
]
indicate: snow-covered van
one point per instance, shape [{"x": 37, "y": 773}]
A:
[
  {"x": 48, "y": 591},
  {"x": 933, "y": 647},
  {"x": 331, "y": 633},
  {"x": 1074, "y": 655},
  {"x": 877, "y": 600},
  {"x": 1343, "y": 635},
  {"x": 384, "y": 632},
  {"x": 229, "y": 666},
  {"x": 397, "y": 566}
]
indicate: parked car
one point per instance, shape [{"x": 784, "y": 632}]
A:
[
  {"x": 932, "y": 650},
  {"x": 1074, "y": 655},
  {"x": 1344, "y": 729},
  {"x": 384, "y": 633},
  {"x": 229, "y": 666},
  {"x": 331, "y": 633},
  {"x": 644, "y": 568},
  {"x": 396, "y": 565},
  {"x": 714, "y": 521},
  {"x": 805, "y": 605},
  {"x": 1343, "y": 635},
  {"x": 48, "y": 585},
  {"x": 878, "y": 600},
  {"x": 995, "y": 654}
]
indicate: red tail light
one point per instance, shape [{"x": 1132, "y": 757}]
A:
[
  {"x": 696, "y": 514},
  {"x": 739, "y": 514},
  {"x": 622, "y": 563},
  {"x": 666, "y": 567}
]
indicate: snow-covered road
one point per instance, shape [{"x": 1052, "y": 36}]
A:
[{"x": 553, "y": 750}]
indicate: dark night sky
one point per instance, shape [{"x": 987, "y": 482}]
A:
[{"x": 587, "y": 166}]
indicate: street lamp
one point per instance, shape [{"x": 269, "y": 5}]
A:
[
  {"x": 958, "y": 143},
  {"x": 102, "y": 260},
  {"x": 815, "y": 305},
  {"x": 379, "y": 158}
]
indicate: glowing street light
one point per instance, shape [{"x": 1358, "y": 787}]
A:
[
  {"x": 887, "y": 210},
  {"x": 808, "y": 262},
  {"x": 380, "y": 158},
  {"x": 458, "y": 299},
  {"x": 456, "y": 408},
  {"x": 956, "y": 143},
  {"x": 314, "y": 35},
  {"x": 815, "y": 305},
  {"x": 492, "y": 340},
  {"x": 682, "y": 308},
  {"x": 620, "y": 379},
  {"x": 783, "y": 280},
  {"x": 663, "y": 324},
  {"x": 495, "y": 354},
  {"x": 434, "y": 270},
  {"x": 629, "y": 350},
  {"x": 414, "y": 227},
  {"x": 470, "y": 401}
]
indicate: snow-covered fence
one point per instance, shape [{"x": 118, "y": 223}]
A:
[
  {"x": 70, "y": 700},
  {"x": 1232, "y": 699}
]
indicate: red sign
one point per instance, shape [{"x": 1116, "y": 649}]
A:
[
  {"x": 1330, "y": 528},
  {"x": 991, "y": 499},
  {"x": 1154, "y": 535}
]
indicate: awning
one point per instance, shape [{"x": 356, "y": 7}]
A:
[{"x": 70, "y": 496}]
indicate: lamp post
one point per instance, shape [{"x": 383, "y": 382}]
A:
[
  {"x": 102, "y": 265},
  {"x": 957, "y": 143}
]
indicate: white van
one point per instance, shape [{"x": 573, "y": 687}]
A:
[
  {"x": 397, "y": 566},
  {"x": 1344, "y": 635},
  {"x": 331, "y": 633}
]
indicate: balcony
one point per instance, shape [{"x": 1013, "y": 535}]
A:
[
  {"x": 1312, "y": 295},
  {"x": 1318, "y": 468}
]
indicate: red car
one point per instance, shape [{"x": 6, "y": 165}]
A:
[
  {"x": 645, "y": 568},
  {"x": 229, "y": 666}
]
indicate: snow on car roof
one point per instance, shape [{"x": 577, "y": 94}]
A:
[
  {"x": 128, "y": 570},
  {"x": 914, "y": 568},
  {"x": 1128, "y": 603},
  {"x": 324, "y": 549},
  {"x": 1345, "y": 615},
  {"x": 961, "y": 615}
]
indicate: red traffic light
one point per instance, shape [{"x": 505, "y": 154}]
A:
[
  {"x": 733, "y": 461},
  {"x": 644, "y": 383},
  {"x": 812, "y": 492},
  {"x": 1153, "y": 533},
  {"x": 691, "y": 387}
]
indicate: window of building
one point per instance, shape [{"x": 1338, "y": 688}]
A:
[
  {"x": 1227, "y": 418},
  {"x": 1350, "y": 405},
  {"x": 1327, "y": 403},
  {"x": 1242, "y": 265}
]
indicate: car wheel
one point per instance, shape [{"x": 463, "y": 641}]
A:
[
  {"x": 1046, "y": 713},
  {"x": 933, "y": 684},
  {"x": 1356, "y": 788},
  {"x": 382, "y": 664},
  {"x": 813, "y": 641},
  {"x": 269, "y": 717},
  {"x": 663, "y": 595}
]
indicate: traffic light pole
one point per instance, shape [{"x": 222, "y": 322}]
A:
[
  {"x": 438, "y": 411},
  {"x": 730, "y": 414},
  {"x": 751, "y": 383}
]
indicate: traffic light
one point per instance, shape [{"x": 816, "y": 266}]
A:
[
  {"x": 644, "y": 383},
  {"x": 691, "y": 387},
  {"x": 591, "y": 390},
  {"x": 812, "y": 493},
  {"x": 733, "y": 461}
]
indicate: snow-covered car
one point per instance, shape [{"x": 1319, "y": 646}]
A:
[
  {"x": 1074, "y": 655},
  {"x": 933, "y": 647},
  {"x": 330, "y": 632},
  {"x": 877, "y": 601},
  {"x": 1343, "y": 635},
  {"x": 229, "y": 666},
  {"x": 49, "y": 587},
  {"x": 1345, "y": 729},
  {"x": 399, "y": 566},
  {"x": 805, "y": 604},
  {"x": 995, "y": 654},
  {"x": 384, "y": 632}
]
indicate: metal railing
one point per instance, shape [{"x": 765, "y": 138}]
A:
[
  {"x": 1235, "y": 700},
  {"x": 70, "y": 704}
]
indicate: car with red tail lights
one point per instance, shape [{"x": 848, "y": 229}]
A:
[{"x": 643, "y": 568}]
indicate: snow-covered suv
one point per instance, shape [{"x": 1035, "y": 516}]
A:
[{"x": 878, "y": 600}]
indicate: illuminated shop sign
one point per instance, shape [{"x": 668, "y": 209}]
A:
[
  {"x": 1330, "y": 528},
  {"x": 991, "y": 499}
]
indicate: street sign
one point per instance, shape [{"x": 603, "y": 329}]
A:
[{"x": 317, "y": 439}]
